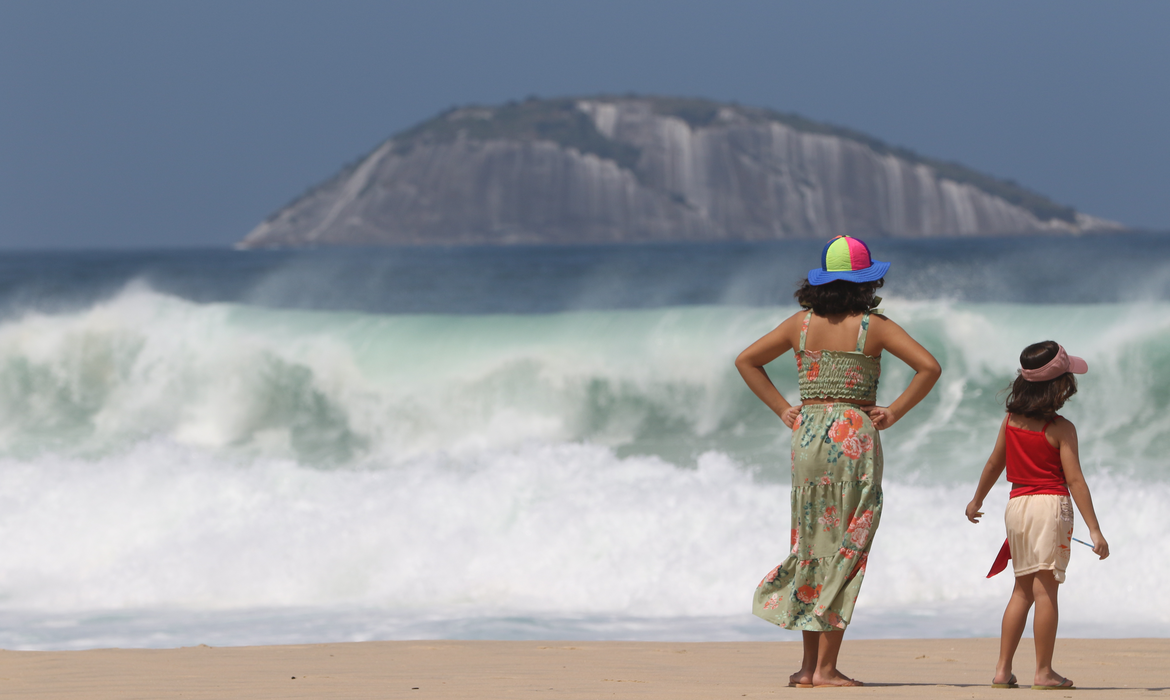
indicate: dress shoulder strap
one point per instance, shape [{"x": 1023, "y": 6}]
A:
[
  {"x": 862, "y": 332},
  {"x": 804, "y": 329}
]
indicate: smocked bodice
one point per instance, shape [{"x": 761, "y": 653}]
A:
[{"x": 837, "y": 374}]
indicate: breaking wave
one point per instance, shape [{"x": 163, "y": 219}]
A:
[{"x": 157, "y": 453}]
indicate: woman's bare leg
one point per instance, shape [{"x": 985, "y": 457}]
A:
[
  {"x": 1015, "y": 618},
  {"x": 1044, "y": 589},
  {"x": 811, "y": 645},
  {"x": 826, "y": 672}
]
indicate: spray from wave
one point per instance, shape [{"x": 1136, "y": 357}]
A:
[
  {"x": 345, "y": 388},
  {"x": 603, "y": 468}
]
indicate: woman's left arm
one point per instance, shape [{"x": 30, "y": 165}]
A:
[{"x": 892, "y": 337}]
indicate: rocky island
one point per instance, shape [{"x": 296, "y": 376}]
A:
[{"x": 637, "y": 169}]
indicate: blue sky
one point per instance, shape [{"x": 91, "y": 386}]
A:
[{"x": 163, "y": 124}]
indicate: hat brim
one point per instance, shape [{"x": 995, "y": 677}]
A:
[
  {"x": 875, "y": 271},
  {"x": 1077, "y": 366}
]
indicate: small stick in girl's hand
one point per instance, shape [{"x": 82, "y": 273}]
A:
[{"x": 1083, "y": 542}]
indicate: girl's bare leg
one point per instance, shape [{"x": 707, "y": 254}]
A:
[
  {"x": 1015, "y": 618},
  {"x": 811, "y": 646},
  {"x": 1044, "y": 589},
  {"x": 826, "y": 672}
]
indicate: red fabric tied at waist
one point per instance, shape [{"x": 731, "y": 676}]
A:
[{"x": 1001, "y": 559}]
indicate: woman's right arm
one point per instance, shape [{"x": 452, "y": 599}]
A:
[{"x": 750, "y": 364}]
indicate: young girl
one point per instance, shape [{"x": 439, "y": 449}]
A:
[
  {"x": 836, "y": 497},
  {"x": 1039, "y": 449}
]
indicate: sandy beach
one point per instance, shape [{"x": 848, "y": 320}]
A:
[{"x": 946, "y": 668}]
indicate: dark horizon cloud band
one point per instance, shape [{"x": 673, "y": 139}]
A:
[{"x": 131, "y": 123}]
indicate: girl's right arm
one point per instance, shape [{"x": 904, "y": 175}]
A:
[
  {"x": 1066, "y": 433},
  {"x": 750, "y": 364},
  {"x": 991, "y": 471}
]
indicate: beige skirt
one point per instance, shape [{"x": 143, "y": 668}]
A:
[{"x": 1039, "y": 530}]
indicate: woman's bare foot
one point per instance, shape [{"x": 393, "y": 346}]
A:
[
  {"x": 800, "y": 679},
  {"x": 834, "y": 679}
]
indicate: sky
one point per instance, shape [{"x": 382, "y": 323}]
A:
[{"x": 144, "y": 124}]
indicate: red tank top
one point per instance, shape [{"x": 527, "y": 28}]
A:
[{"x": 1033, "y": 465}]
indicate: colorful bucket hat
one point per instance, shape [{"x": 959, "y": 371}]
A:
[{"x": 847, "y": 258}]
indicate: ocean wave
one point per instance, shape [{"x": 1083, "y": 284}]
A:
[
  {"x": 345, "y": 389},
  {"x": 209, "y": 464}
]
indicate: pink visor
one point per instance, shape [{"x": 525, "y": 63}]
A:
[{"x": 1063, "y": 362}]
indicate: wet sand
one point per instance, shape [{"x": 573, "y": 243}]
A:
[{"x": 918, "y": 668}]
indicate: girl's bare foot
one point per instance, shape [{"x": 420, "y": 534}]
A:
[
  {"x": 1052, "y": 679},
  {"x": 800, "y": 679},
  {"x": 998, "y": 681},
  {"x": 834, "y": 679}
]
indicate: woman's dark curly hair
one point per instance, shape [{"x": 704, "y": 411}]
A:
[
  {"x": 838, "y": 296},
  {"x": 1040, "y": 400}
]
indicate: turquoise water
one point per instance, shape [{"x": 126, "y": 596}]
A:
[{"x": 191, "y": 461}]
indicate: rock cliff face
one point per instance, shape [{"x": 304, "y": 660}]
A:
[{"x": 602, "y": 169}]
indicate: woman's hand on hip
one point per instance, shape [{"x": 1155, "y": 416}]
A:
[
  {"x": 880, "y": 416},
  {"x": 790, "y": 415}
]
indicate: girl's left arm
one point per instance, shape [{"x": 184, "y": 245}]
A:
[
  {"x": 991, "y": 471},
  {"x": 1070, "y": 460}
]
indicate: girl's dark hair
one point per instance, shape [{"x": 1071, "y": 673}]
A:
[
  {"x": 838, "y": 296},
  {"x": 1040, "y": 400}
]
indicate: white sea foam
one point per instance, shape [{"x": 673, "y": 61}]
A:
[
  {"x": 600, "y": 473},
  {"x": 566, "y": 531}
]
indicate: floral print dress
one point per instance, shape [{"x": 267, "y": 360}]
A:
[{"x": 836, "y": 494}]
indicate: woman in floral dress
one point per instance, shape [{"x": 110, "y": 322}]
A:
[{"x": 836, "y": 497}]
